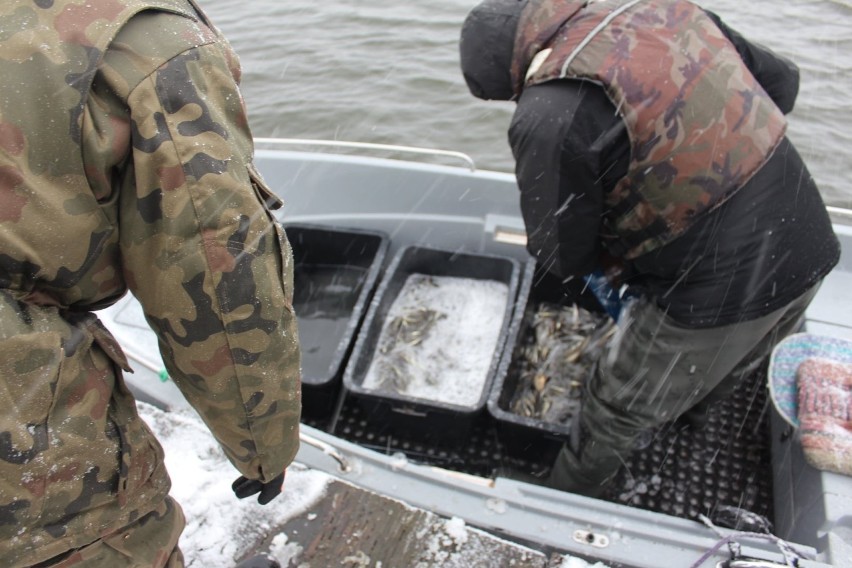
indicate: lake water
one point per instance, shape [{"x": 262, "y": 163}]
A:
[{"x": 385, "y": 71}]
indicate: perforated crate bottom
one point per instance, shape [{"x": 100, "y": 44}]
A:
[{"x": 682, "y": 472}]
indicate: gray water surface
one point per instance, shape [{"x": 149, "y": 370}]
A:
[{"x": 387, "y": 71}]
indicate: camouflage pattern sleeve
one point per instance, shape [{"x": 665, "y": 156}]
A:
[{"x": 203, "y": 253}]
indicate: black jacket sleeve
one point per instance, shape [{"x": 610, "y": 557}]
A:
[
  {"x": 778, "y": 76},
  {"x": 562, "y": 137}
]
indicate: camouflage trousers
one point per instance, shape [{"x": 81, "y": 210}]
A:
[
  {"x": 150, "y": 542},
  {"x": 654, "y": 372}
]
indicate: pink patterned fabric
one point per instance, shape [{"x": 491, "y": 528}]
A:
[{"x": 825, "y": 413}]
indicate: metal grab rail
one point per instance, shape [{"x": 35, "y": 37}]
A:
[
  {"x": 837, "y": 212},
  {"x": 368, "y": 146},
  {"x": 840, "y": 213},
  {"x": 328, "y": 449}
]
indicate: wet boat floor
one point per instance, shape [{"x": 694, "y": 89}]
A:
[{"x": 683, "y": 472}]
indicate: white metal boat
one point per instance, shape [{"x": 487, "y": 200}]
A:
[{"x": 454, "y": 206}]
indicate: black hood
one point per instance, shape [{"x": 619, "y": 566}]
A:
[{"x": 486, "y": 45}]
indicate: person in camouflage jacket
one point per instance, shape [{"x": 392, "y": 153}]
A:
[
  {"x": 650, "y": 145},
  {"x": 126, "y": 164}
]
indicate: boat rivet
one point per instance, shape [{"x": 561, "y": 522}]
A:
[{"x": 594, "y": 539}]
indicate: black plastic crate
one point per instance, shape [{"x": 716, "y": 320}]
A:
[
  {"x": 520, "y": 435},
  {"x": 400, "y": 411},
  {"x": 335, "y": 271}
]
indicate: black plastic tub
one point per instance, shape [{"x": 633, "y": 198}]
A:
[
  {"x": 336, "y": 271},
  {"x": 404, "y": 413},
  {"x": 521, "y": 435}
]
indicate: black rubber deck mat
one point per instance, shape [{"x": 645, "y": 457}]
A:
[
  {"x": 479, "y": 453},
  {"x": 684, "y": 472}
]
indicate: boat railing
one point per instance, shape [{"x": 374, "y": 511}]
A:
[
  {"x": 840, "y": 215},
  {"x": 273, "y": 142}
]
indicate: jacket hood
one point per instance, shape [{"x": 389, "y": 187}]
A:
[{"x": 486, "y": 47}]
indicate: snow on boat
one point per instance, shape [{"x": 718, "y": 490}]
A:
[{"x": 364, "y": 226}]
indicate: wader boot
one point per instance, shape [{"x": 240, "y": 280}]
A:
[{"x": 584, "y": 466}]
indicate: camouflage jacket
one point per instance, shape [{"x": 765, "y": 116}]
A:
[
  {"x": 700, "y": 125},
  {"x": 126, "y": 163}
]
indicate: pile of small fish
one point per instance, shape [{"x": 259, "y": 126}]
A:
[
  {"x": 557, "y": 355},
  {"x": 404, "y": 331}
]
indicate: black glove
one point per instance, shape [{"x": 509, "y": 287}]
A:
[{"x": 244, "y": 487}]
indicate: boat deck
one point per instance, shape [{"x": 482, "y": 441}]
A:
[
  {"x": 682, "y": 472},
  {"x": 651, "y": 509}
]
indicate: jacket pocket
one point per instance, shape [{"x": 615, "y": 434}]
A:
[
  {"x": 141, "y": 457},
  {"x": 263, "y": 191},
  {"x": 272, "y": 202},
  {"x": 30, "y": 368},
  {"x": 83, "y": 452}
]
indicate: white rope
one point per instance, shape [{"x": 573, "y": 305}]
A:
[{"x": 791, "y": 556}]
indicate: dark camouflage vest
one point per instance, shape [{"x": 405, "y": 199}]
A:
[{"x": 699, "y": 123}]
